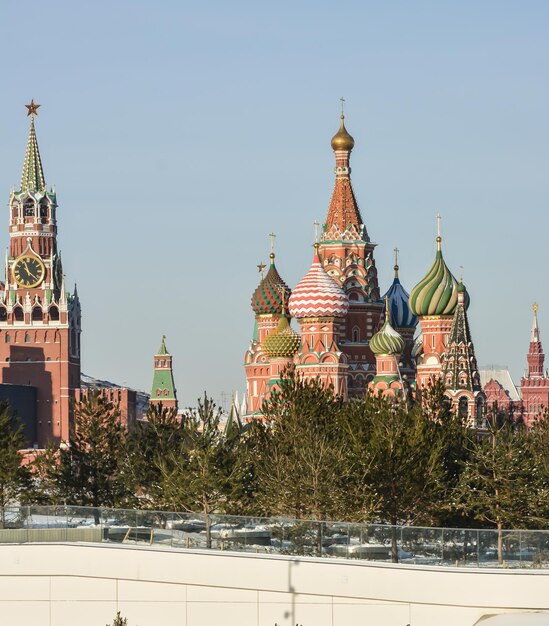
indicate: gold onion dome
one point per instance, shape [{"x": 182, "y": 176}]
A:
[
  {"x": 387, "y": 340},
  {"x": 437, "y": 293},
  {"x": 283, "y": 341},
  {"x": 342, "y": 140}
]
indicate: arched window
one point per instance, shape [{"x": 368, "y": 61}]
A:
[
  {"x": 27, "y": 338},
  {"x": 463, "y": 407},
  {"x": 18, "y": 314},
  {"x": 165, "y": 392},
  {"x": 158, "y": 392},
  {"x": 44, "y": 209},
  {"x": 3, "y": 314},
  {"x": 28, "y": 208},
  {"x": 14, "y": 210},
  {"x": 37, "y": 314},
  {"x": 356, "y": 334},
  {"x": 7, "y": 338},
  {"x": 54, "y": 314}
]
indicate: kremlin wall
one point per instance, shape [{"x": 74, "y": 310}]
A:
[{"x": 351, "y": 336}]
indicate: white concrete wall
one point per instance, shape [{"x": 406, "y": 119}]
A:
[{"x": 85, "y": 584}]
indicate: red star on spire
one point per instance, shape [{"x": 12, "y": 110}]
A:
[{"x": 32, "y": 108}]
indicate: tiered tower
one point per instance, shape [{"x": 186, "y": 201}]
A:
[
  {"x": 163, "y": 389},
  {"x": 40, "y": 322},
  {"x": 268, "y": 303},
  {"x": 404, "y": 321},
  {"x": 387, "y": 344},
  {"x": 347, "y": 256},
  {"x": 320, "y": 306},
  {"x": 535, "y": 384},
  {"x": 434, "y": 301},
  {"x": 460, "y": 371}
]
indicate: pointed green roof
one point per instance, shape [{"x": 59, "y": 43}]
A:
[
  {"x": 32, "y": 177},
  {"x": 163, "y": 350}
]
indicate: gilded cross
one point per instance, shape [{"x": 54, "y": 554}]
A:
[
  {"x": 439, "y": 217},
  {"x": 396, "y": 251},
  {"x": 316, "y": 225},
  {"x": 272, "y": 236},
  {"x": 535, "y": 307},
  {"x": 342, "y": 106}
]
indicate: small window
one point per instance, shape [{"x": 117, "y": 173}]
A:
[
  {"x": 28, "y": 208},
  {"x": 165, "y": 392},
  {"x": 158, "y": 392},
  {"x": 27, "y": 338},
  {"x": 18, "y": 314},
  {"x": 7, "y": 338}
]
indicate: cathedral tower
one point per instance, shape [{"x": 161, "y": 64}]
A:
[
  {"x": 460, "y": 371},
  {"x": 268, "y": 304},
  {"x": 347, "y": 256},
  {"x": 434, "y": 300},
  {"x": 388, "y": 345},
  {"x": 320, "y": 306},
  {"x": 40, "y": 323}
]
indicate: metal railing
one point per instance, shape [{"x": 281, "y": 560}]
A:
[{"x": 173, "y": 530}]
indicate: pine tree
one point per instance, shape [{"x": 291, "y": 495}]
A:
[
  {"x": 119, "y": 620},
  {"x": 86, "y": 471},
  {"x": 197, "y": 475},
  {"x": 500, "y": 482},
  {"x": 146, "y": 446},
  {"x": 14, "y": 478},
  {"x": 397, "y": 461},
  {"x": 301, "y": 468}
]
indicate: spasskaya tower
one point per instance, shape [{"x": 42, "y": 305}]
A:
[{"x": 39, "y": 321}]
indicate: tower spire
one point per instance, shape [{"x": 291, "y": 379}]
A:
[
  {"x": 396, "y": 251},
  {"x": 535, "y": 336},
  {"x": 32, "y": 177}
]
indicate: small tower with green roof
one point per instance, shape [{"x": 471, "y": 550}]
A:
[{"x": 163, "y": 388}]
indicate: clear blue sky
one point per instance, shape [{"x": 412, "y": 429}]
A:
[{"x": 178, "y": 134}]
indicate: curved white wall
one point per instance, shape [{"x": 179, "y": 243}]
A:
[{"x": 85, "y": 584}]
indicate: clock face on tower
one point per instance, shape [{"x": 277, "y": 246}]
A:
[{"x": 28, "y": 271}]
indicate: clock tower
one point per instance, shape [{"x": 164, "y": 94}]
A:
[{"x": 39, "y": 321}]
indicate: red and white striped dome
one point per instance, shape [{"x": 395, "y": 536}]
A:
[{"x": 318, "y": 295}]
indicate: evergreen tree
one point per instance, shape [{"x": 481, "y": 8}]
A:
[
  {"x": 119, "y": 620},
  {"x": 397, "y": 459},
  {"x": 197, "y": 475},
  {"x": 500, "y": 483},
  {"x": 145, "y": 449},
  {"x": 301, "y": 467},
  {"x": 86, "y": 471},
  {"x": 14, "y": 478}
]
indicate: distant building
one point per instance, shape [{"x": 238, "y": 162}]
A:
[{"x": 163, "y": 388}]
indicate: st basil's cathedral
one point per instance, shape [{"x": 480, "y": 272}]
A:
[{"x": 350, "y": 336}]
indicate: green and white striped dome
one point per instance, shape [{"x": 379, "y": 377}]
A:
[
  {"x": 437, "y": 293},
  {"x": 387, "y": 340}
]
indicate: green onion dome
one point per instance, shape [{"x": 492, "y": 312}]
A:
[
  {"x": 271, "y": 293},
  {"x": 387, "y": 340},
  {"x": 283, "y": 341},
  {"x": 437, "y": 293}
]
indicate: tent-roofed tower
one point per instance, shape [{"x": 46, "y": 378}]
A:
[
  {"x": 534, "y": 385},
  {"x": 163, "y": 389},
  {"x": 39, "y": 320},
  {"x": 460, "y": 371},
  {"x": 346, "y": 253}
]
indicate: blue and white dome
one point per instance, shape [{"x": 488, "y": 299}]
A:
[{"x": 401, "y": 314}]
